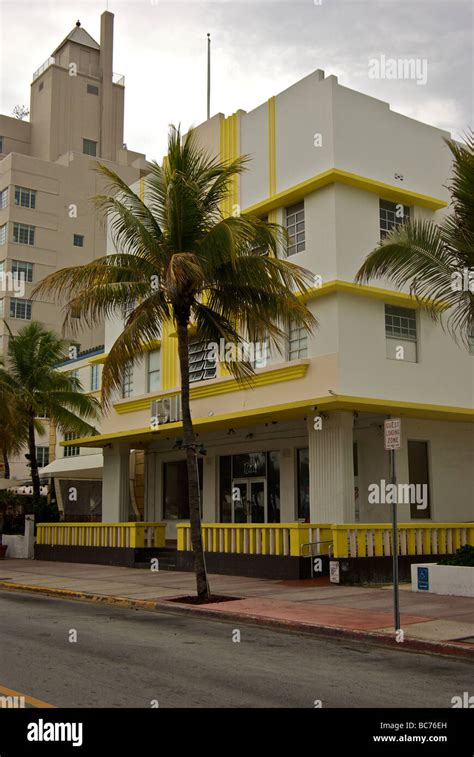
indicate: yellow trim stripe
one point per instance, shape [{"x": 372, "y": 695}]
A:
[
  {"x": 288, "y": 411},
  {"x": 288, "y": 373},
  {"x": 390, "y": 296},
  {"x": 337, "y": 176}
]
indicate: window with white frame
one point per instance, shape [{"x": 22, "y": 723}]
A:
[
  {"x": 154, "y": 363},
  {"x": 22, "y": 269},
  {"x": 296, "y": 229},
  {"x": 202, "y": 361},
  {"x": 72, "y": 451},
  {"x": 20, "y": 309},
  {"x": 95, "y": 377},
  {"x": 401, "y": 333},
  {"x": 127, "y": 381},
  {"x": 3, "y": 233},
  {"x": 391, "y": 215},
  {"x": 297, "y": 342},
  {"x": 42, "y": 456},
  {"x": 25, "y": 198},
  {"x": 23, "y": 233},
  {"x": 4, "y": 198}
]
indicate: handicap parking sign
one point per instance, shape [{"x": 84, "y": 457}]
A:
[{"x": 423, "y": 579}]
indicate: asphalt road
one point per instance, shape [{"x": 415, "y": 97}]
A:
[{"x": 128, "y": 658}]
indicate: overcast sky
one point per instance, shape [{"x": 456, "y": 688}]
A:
[{"x": 258, "y": 49}]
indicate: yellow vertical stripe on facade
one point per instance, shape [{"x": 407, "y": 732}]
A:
[
  {"x": 169, "y": 358},
  {"x": 230, "y": 150},
  {"x": 271, "y": 148},
  {"x": 141, "y": 190}
]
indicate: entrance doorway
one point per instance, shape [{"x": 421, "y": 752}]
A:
[{"x": 249, "y": 500}]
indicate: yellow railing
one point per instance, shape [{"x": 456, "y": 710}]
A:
[
  {"x": 341, "y": 540},
  {"x": 375, "y": 539},
  {"x": 135, "y": 534},
  {"x": 257, "y": 538}
]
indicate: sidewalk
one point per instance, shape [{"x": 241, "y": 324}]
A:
[{"x": 430, "y": 622}]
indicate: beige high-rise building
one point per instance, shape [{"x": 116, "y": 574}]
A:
[{"x": 47, "y": 178}]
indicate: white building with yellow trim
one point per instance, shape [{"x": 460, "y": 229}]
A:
[{"x": 306, "y": 442}]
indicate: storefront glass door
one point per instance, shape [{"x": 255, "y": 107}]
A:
[{"x": 249, "y": 500}]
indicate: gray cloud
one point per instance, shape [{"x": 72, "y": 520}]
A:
[{"x": 258, "y": 49}]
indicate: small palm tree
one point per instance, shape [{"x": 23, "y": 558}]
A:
[
  {"x": 436, "y": 260},
  {"x": 13, "y": 429},
  {"x": 36, "y": 388},
  {"x": 182, "y": 261}
]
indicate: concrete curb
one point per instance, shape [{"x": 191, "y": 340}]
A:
[{"x": 449, "y": 649}]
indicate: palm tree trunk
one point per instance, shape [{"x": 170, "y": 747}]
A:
[
  {"x": 33, "y": 460},
  {"x": 191, "y": 460},
  {"x": 6, "y": 463}
]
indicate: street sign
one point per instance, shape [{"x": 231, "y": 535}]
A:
[{"x": 393, "y": 433}]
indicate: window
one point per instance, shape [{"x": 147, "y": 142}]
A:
[
  {"x": 41, "y": 86},
  {"x": 20, "y": 309},
  {"x": 78, "y": 240},
  {"x": 23, "y": 234},
  {"x": 89, "y": 147},
  {"x": 391, "y": 215},
  {"x": 418, "y": 472},
  {"x": 127, "y": 381},
  {"x": 303, "y": 483},
  {"x": 1, "y": 144},
  {"x": 175, "y": 489},
  {"x": 95, "y": 371},
  {"x": 128, "y": 309},
  {"x": 4, "y": 198},
  {"x": 42, "y": 456},
  {"x": 22, "y": 269},
  {"x": 71, "y": 451},
  {"x": 401, "y": 333},
  {"x": 2, "y": 308},
  {"x": 298, "y": 342},
  {"x": 25, "y": 198},
  {"x": 202, "y": 363},
  {"x": 3, "y": 233},
  {"x": 92, "y": 89},
  {"x": 295, "y": 228},
  {"x": 400, "y": 322},
  {"x": 153, "y": 371}
]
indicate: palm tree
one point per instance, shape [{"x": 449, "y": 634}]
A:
[
  {"x": 37, "y": 388},
  {"x": 13, "y": 429},
  {"x": 181, "y": 260},
  {"x": 437, "y": 260}
]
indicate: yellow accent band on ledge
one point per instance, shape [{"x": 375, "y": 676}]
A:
[
  {"x": 338, "y": 176},
  {"x": 287, "y": 373},
  {"x": 390, "y": 296},
  {"x": 99, "y": 358},
  {"x": 288, "y": 411}
]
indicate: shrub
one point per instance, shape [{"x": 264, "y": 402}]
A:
[{"x": 462, "y": 556}]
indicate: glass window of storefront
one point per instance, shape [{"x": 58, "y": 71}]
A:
[
  {"x": 175, "y": 489},
  {"x": 303, "y": 484}
]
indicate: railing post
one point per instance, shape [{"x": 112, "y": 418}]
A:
[
  {"x": 339, "y": 537},
  {"x": 299, "y": 534}
]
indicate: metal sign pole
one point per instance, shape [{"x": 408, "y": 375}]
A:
[{"x": 396, "y": 598}]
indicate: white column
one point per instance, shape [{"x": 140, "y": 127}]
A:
[
  {"x": 116, "y": 484},
  {"x": 331, "y": 469}
]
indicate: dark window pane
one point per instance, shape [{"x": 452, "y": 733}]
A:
[
  {"x": 303, "y": 484},
  {"x": 418, "y": 472},
  {"x": 175, "y": 489},
  {"x": 273, "y": 487}
]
